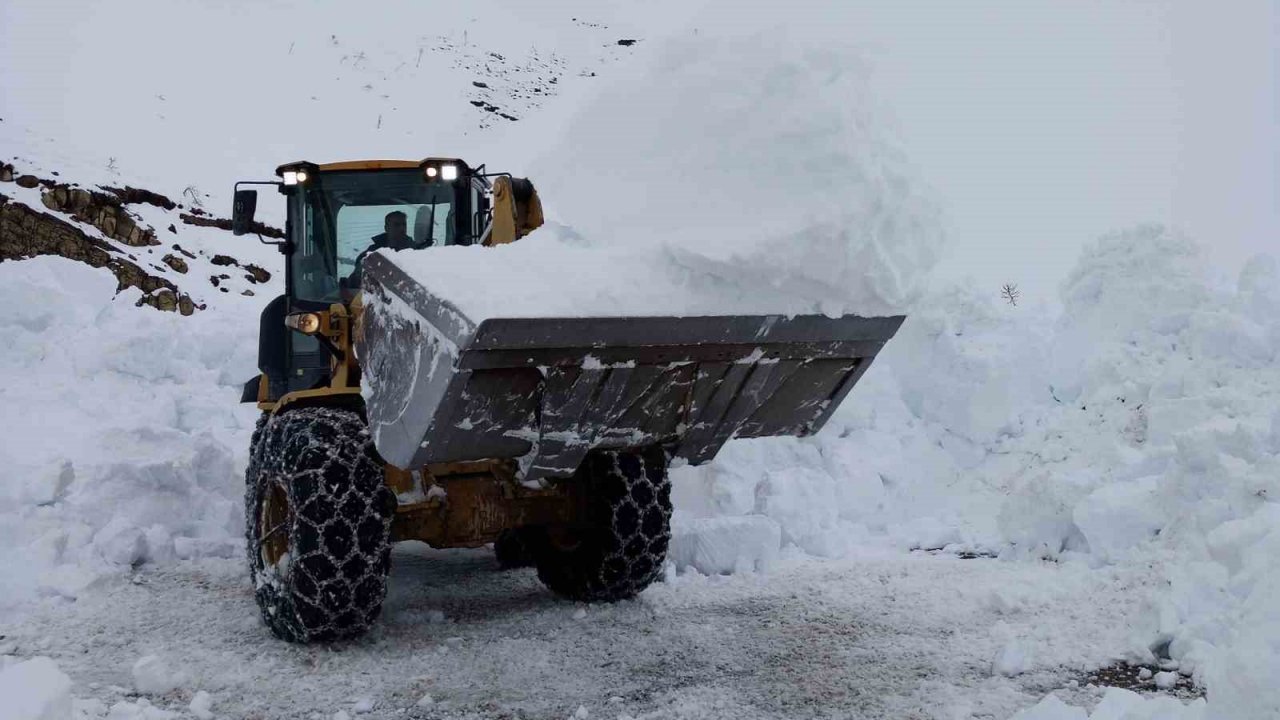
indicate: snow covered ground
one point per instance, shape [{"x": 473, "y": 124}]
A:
[
  {"x": 868, "y": 636},
  {"x": 1111, "y": 455}
]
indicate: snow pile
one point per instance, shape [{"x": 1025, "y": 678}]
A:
[
  {"x": 729, "y": 175},
  {"x": 1138, "y": 427},
  {"x": 125, "y": 442}
]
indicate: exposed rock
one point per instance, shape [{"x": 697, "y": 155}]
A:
[
  {"x": 26, "y": 232},
  {"x": 173, "y": 229},
  {"x": 6, "y": 172},
  {"x": 130, "y": 195},
  {"x": 224, "y": 260},
  {"x": 175, "y": 262},
  {"x": 247, "y": 292},
  {"x": 198, "y": 217},
  {"x": 168, "y": 301},
  {"x": 256, "y": 274},
  {"x": 215, "y": 280},
  {"x": 180, "y": 249},
  {"x": 28, "y": 181},
  {"x": 100, "y": 210}
]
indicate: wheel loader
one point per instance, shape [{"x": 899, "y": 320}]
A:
[{"x": 389, "y": 415}]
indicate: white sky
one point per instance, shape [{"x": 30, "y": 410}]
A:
[{"x": 1046, "y": 124}]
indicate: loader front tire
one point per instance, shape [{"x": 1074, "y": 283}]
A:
[
  {"x": 318, "y": 525},
  {"x": 620, "y": 547}
]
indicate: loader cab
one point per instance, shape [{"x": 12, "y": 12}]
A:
[
  {"x": 339, "y": 212},
  {"x": 336, "y": 214}
]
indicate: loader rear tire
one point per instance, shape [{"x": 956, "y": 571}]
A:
[
  {"x": 318, "y": 524},
  {"x": 620, "y": 548}
]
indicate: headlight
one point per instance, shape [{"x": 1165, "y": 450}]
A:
[{"x": 305, "y": 323}]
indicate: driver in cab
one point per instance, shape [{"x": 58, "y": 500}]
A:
[{"x": 395, "y": 236}]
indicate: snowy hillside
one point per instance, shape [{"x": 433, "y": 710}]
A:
[{"x": 1020, "y": 504}]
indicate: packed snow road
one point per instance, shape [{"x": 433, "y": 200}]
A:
[{"x": 876, "y": 636}]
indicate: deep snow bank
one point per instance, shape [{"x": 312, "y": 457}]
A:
[
  {"x": 729, "y": 175},
  {"x": 1137, "y": 427},
  {"x": 123, "y": 443}
]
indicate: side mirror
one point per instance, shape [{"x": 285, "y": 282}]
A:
[{"x": 242, "y": 210}]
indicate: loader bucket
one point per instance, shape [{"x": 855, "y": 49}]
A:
[{"x": 440, "y": 388}]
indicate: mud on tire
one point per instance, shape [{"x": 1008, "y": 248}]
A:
[
  {"x": 620, "y": 548},
  {"x": 318, "y": 523}
]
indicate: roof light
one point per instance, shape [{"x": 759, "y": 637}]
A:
[
  {"x": 449, "y": 172},
  {"x": 432, "y": 172},
  {"x": 302, "y": 176},
  {"x": 290, "y": 177}
]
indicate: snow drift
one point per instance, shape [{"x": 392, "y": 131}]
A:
[
  {"x": 123, "y": 441},
  {"x": 1137, "y": 427}
]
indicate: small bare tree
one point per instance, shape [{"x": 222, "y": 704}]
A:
[
  {"x": 1010, "y": 293},
  {"x": 193, "y": 192}
]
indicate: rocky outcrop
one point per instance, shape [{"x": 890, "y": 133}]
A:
[
  {"x": 131, "y": 196},
  {"x": 26, "y": 232},
  {"x": 101, "y": 210}
]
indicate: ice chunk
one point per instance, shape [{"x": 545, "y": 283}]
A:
[
  {"x": 1116, "y": 517},
  {"x": 120, "y": 542},
  {"x": 201, "y": 705},
  {"x": 35, "y": 689},
  {"x": 1013, "y": 659},
  {"x": 154, "y": 675},
  {"x": 720, "y": 546}
]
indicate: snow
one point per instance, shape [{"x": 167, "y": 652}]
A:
[
  {"x": 724, "y": 545},
  {"x": 154, "y": 675},
  {"x": 1013, "y": 659},
  {"x": 201, "y": 705},
  {"x": 649, "y": 218},
  {"x": 34, "y": 689},
  {"x": 1117, "y": 447},
  {"x": 1117, "y": 704}
]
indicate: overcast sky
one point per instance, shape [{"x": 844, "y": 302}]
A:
[{"x": 1044, "y": 124}]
